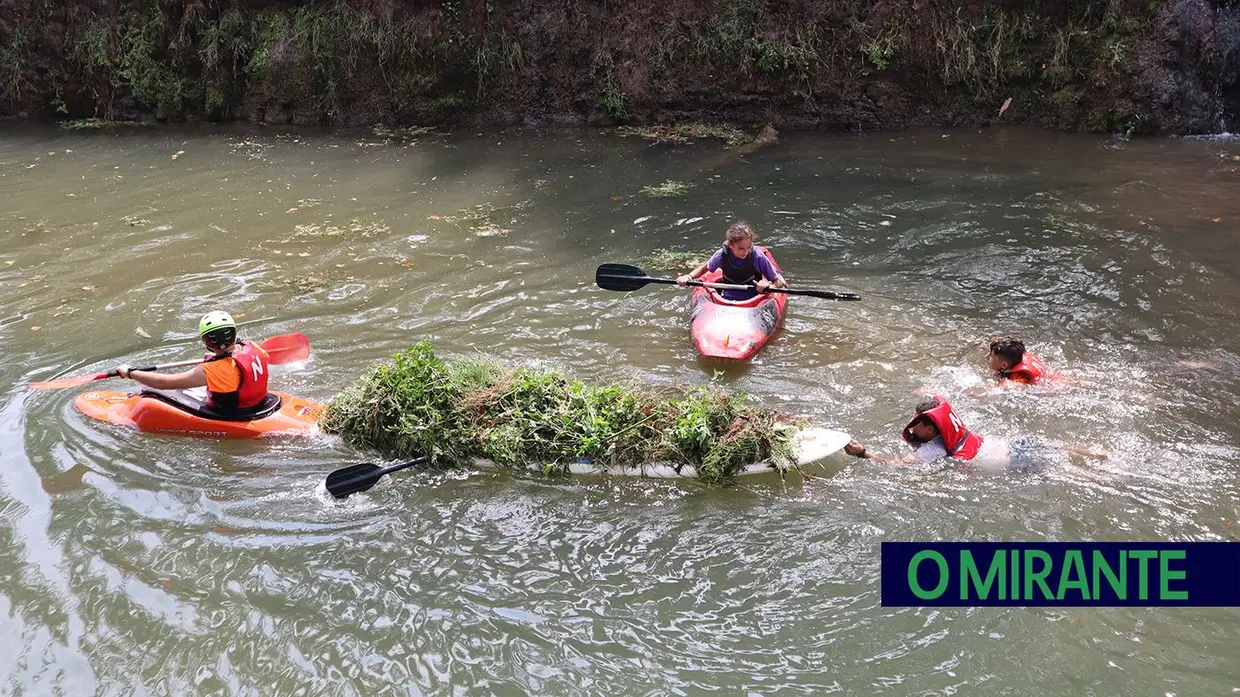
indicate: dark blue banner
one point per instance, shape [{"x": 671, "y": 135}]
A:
[{"x": 1061, "y": 574}]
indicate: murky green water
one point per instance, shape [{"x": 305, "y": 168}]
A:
[{"x": 140, "y": 565}]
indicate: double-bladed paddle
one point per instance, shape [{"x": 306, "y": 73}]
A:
[
  {"x": 624, "y": 277},
  {"x": 282, "y": 348},
  {"x": 356, "y": 478}
]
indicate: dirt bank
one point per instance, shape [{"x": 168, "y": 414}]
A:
[{"x": 1123, "y": 66}]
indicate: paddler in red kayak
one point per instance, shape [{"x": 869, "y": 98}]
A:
[
  {"x": 234, "y": 372},
  {"x": 936, "y": 432},
  {"x": 741, "y": 264}
]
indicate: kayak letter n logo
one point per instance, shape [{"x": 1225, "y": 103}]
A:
[{"x": 258, "y": 370}]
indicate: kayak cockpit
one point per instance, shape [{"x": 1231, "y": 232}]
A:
[{"x": 198, "y": 407}]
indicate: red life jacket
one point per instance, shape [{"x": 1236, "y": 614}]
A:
[
  {"x": 1029, "y": 371},
  {"x": 251, "y": 361},
  {"x": 960, "y": 442}
]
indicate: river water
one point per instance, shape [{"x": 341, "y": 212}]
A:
[{"x": 148, "y": 565}]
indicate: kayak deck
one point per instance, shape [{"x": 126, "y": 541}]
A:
[
  {"x": 175, "y": 415},
  {"x": 734, "y": 330}
]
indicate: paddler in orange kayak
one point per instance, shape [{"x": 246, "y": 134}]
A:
[
  {"x": 234, "y": 372},
  {"x": 741, "y": 265}
]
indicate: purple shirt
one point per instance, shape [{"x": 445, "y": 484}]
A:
[{"x": 760, "y": 263}]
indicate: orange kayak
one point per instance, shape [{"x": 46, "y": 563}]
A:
[
  {"x": 178, "y": 414},
  {"x": 735, "y": 330}
]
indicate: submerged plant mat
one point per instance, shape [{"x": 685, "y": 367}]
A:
[{"x": 419, "y": 404}]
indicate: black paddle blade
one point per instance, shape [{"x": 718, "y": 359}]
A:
[
  {"x": 620, "y": 277},
  {"x": 351, "y": 480}
]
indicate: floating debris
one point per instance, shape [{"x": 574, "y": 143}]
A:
[{"x": 667, "y": 189}]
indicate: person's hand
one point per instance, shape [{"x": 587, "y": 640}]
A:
[
  {"x": 763, "y": 285},
  {"x": 683, "y": 280},
  {"x": 855, "y": 449},
  {"x": 123, "y": 370}
]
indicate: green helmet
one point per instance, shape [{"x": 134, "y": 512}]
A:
[
  {"x": 215, "y": 320},
  {"x": 217, "y": 328}
]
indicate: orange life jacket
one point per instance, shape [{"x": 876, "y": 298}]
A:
[{"x": 1029, "y": 371}]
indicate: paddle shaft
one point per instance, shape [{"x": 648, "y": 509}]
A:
[
  {"x": 283, "y": 348},
  {"x": 148, "y": 369},
  {"x": 164, "y": 366},
  {"x": 734, "y": 286},
  {"x": 401, "y": 466}
]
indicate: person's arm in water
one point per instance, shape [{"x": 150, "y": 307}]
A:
[
  {"x": 194, "y": 377},
  {"x": 927, "y": 452},
  {"x": 858, "y": 450}
]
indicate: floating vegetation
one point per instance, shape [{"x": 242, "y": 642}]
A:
[
  {"x": 484, "y": 219},
  {"x": 687, "y": 134},
  {"x": 352, "y": 229},
  {"x": 135, "y": 221},
  {"x": 419, "y": 404},
  {"x": 490, "y": 230},
  {"x": 674, "y": 260},
  {"x": 36, "y": 227},
  {"x": 96, "y": 124},
  {"x": 302, "y": 284},
  {"x": 407, "y": 132},
  {"x": 1138, "y": 183},
  {"x": 667, "y": 189}
]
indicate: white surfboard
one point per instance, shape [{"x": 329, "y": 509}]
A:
[{"x": 811, "y": 445}]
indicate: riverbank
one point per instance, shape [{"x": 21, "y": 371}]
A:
[{"x": 1127, "y": 66}]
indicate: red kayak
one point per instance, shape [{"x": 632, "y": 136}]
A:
[{"x": 734, "y": 330}]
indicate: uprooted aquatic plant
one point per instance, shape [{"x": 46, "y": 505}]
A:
[{"x": 539, "y": 420}]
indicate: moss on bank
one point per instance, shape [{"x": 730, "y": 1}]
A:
[
  {"x": 833, "y": 63},
  {"x": 456, "y": 411}
]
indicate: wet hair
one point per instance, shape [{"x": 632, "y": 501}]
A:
[
  {"x": 1011, "y": 349},
  {"x": 741, "y": 230},
  {"x": 925, "y": 406}
]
